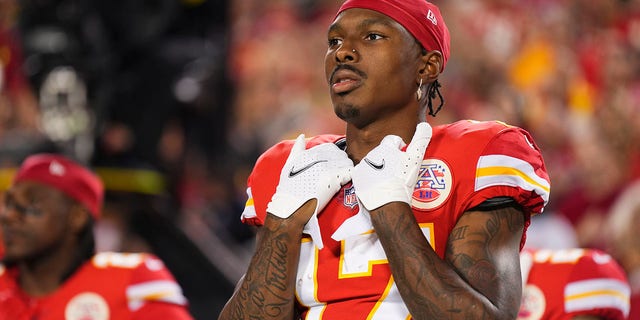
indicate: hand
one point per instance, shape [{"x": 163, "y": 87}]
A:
[
  {"x": 387, "y": 174},
  {"x": 315, "y": 173}
]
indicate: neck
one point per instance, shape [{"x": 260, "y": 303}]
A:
[
  {"x": 362, "y": 140},
  {"x": 43, "y": 274}
]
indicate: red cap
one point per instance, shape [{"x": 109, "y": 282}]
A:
[
  {"x": 421, "y": 18},
  {"x": 65, "y": 175}
]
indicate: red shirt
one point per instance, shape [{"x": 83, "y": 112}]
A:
[
  {"x": 565, "y": 283},
  {"x": 110, "y": 286},
  {"x": 466, "y": 163}
]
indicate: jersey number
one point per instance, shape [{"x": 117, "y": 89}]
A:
[{"x": 360, "y": 271}]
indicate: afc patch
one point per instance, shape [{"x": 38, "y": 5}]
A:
[
  {"x": 433, "y": 186},
  {"x": 87, "y": 306},
  {"x": 533, "y": 303},
  {"x": 350, "y": 198}
]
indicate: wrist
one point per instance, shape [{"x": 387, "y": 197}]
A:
[
  {"x": 394, "y": 207},
  {"x": 297, "y": 219}
]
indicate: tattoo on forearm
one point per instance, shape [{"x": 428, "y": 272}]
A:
[
  {"x": 411, "y": 258},
  {"x": 266, "y": 292},
  {"x": 277, "y": 273}
]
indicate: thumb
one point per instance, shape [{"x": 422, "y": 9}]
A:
[
  {"x": 298, "y": 146},
  {"x": 420, "y": 140}
]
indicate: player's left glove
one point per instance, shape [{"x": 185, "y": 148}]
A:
[
  {"x": 314, "y": 173},
  {"x": 387, "y": 173}
]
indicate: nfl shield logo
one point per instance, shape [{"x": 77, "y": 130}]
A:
[{"x": 350, "y": 199}]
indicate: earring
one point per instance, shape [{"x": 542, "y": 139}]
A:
[
  {"x": 419, "y": 91},
  {"x": 353, "y": 50}
]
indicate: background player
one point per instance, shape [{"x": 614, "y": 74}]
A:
[
  {"x": 50, "y": 269},
  {"x": 572, "y": 284}
]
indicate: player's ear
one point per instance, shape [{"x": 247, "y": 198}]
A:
[
  {"x": 431, "y": 65},
  {"x": 78, "y": 217}
]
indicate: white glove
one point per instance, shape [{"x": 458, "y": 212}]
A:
[
  {"x": 318, "y": 172},
  {"x": 388, "y": 174}
]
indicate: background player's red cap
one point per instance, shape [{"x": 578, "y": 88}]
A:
[
  {"x": 420, "y": 17},
  {"x": 65, "y": 175}
]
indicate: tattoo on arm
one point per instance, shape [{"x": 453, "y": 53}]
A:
[
  {"x": 266, "y": 291},
  {"x": 488, "y": 255},
  {"x": 458, "y": 233},
  {"x": 476, "y": 279}
]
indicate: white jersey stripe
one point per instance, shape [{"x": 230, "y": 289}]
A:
[
  {"x": 249, "y": 209},
  {"x": 495, "y": 170},
  {"x": 161, "y": 290},
  {"x": 597, "y": 293}
]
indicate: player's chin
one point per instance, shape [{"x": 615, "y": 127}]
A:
[
  {"x": 9, "y": 258},
  {"x": 346, "y": 111},
  {"x": 13, "y": 251}
]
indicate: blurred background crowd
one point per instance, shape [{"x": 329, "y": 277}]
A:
[{"x": 172, "y": 101}]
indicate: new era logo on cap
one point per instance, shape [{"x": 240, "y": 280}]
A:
[
  {"x": 432, "y": 17},
  {"x": 56, "y": 169}
]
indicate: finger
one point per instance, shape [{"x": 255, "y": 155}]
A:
[
  {"x": 300, "y": 144},
  {"x": 420, "y": 140},
  {"x": 392, "y": 141},
  {"x": 344, "y": 175},
  {"x": 336, "y": 178},
  {"x": 297, "y": 148}
]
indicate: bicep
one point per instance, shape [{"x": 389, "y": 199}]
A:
[{"x": 484, "y": 249}]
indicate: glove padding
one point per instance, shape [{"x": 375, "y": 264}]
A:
[
  {"x": 318, "y": 172},
  {"x": 387, "y": 174}
]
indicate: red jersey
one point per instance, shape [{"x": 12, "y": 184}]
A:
[
  {"x": 109, "y": 286},
  {"x": 466, "y": 163},
  {"x": 634, "y": 313},
  {"x": 562, "y": 284}
]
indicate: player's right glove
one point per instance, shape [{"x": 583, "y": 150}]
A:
[{"x": 314, "y": 173}]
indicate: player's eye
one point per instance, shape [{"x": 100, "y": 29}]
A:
[
  {"x": 333, "y": 42},
  {"x": 373, "y": 36},
  {"x": 24, "y": 210}
]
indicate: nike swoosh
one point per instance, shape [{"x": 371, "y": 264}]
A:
[
  {"x": 374, "y": 165},
  {"x": 294, "y": 173}
]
